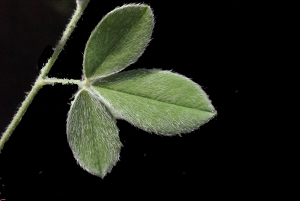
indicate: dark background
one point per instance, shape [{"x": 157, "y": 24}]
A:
[{"x": 207, "y": 42}]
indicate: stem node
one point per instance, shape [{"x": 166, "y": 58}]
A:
[{"x": 42, "y": 78}]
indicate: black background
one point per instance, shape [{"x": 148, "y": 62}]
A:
[{"x": 207, "y": 42}]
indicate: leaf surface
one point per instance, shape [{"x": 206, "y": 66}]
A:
[
  {"x": 156, "y": 101},
  {"x": 118, "y": 40},
  {"x": 92, "y": 134}
]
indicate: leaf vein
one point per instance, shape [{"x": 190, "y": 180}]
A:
[{"x": 145, "y": 97}]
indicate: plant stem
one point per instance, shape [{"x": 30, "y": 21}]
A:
[
  {"x": 17, "y": 118},
  {"x": 62, "y": 81},
  {"x": 81, "y": 5}
]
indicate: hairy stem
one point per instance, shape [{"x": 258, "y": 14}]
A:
[
  {"x": 62, "y": 81},
  {"x": 81, "y": 5},
  {"x": 17, "y": 118}
]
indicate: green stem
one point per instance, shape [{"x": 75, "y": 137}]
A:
[
  {"x": 62, "y": 81},
  {"x": 42, "y": 80},
  {"x": 17, "y": 118},
  {"x": 81, "y": 5}
]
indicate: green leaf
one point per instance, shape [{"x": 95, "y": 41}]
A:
[
  {"x": 156, "y": 101},
  {"x": 118, "y": 40},
  {"x": 92, "y": 134}
]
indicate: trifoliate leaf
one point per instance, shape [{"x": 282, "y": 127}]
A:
[
  {"x": 156, "y": 101},
  {"x": 92, "y": 134},
  {"x": 118, "y": 40}
]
